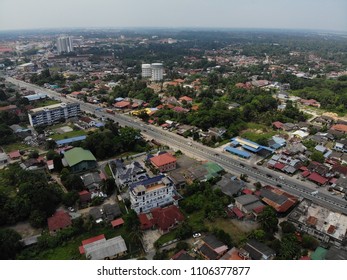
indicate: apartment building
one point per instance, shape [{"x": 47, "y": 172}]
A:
[
  {"x": 53, "y": 113},
  {"x": 150, "y": 193}
]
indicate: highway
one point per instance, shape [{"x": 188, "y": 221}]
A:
[{"x": 228, "y": 162}]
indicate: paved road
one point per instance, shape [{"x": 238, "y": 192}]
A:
[{"x": 228, "y": 162}]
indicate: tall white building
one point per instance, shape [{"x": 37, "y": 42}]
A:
[
  {"x": 146, "y": 71},
  {"x": 157, "y": 71},
  {"x": 151, "y": 193},
  {"x": 64, "y": 44},
  {"x": 53, "y": 113}
]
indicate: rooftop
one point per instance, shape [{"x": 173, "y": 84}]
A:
[
  {"x": 77, "y": 155},
  {"x": 163, "y": 159}
]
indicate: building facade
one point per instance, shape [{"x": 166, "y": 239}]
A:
[
  {"x": 64, "y": 45},
  {"x": 53, "y": 113},
  {"x": 146, "y": 71},
  {"x": 155, "y": 71},
  {"x": 151, "y": 193}
]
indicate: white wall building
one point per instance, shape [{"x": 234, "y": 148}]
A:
[
  {"x": 53, "y": 113},
  {"x": 151, "y": 193},
  {"x": 157, "y": 72},
  {"x": 146, "y": 71},
  {"x": 64, "y": 44}
]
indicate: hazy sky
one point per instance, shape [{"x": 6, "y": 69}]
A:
[{"x": 288, "y": 14}]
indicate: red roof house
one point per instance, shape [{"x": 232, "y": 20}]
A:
[
  {"x": 316, "y": 178},
  {"x": 145, "y": 221},
  {"x": 85, "y": 196},
  {"x": 186, "y": 99},
  {"x": 14, "y": 155},
  {"x": 340, "y": 127},
  {"x": 164, "y": 162},
  {"x": 167, "y": 218},
  {"x": 122, "y": 105},
  {"x": 277, "y": 125},
  {"x": 58, "y": 221},
  {"x": 117, "y": 222},
  {"x": 89, "y": 241}
]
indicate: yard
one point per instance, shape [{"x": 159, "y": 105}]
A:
[
  {"x": 257, "y": 132},
  {"x": 44, "y": 103},
  {"x": 70, "y": 134},
  {"x": 15, "y": 146}
]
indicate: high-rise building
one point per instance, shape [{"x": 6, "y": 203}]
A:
[
  {"x": 53, "y": 113},
  {"x": 157, "y": 71},
  {"x": 146, "y": 71},
  {"x": 64, "y": 44}
]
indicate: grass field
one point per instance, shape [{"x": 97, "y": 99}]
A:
[
  {"x": 68, "y": 135},
  {"x": 255, "y": 132},
  {"x": 44, "y": 103},
  {"x": 15, "y": 146},
  {"x": 167, "y": 237}
]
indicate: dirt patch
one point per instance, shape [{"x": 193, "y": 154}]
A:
[
  {"x": 148, "y": 239},
  {"x": 25, "y": 229}
]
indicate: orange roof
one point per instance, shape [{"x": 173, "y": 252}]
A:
[
  {"x": 163, "y": 159},
  {"x": 117, "y": 222},
  {"x": 122, "y": 104},
  {"x": 340, "y": 127},
  {"x": 186, "y": 98}
]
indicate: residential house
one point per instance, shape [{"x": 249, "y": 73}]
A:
[
  {"x": 14, "y": 155},
  {"x": 341, "y": 145},
  {"x": 3, "y": 159},
  {"x": 154, "y": 192},
  {"x": 84, "y": 197},
  {"x": 257, "y": 251},
  {"x": 278, "y": 199},
  {"x": 185, "y": 99},
  {"x": 96, "y": 214},
  {"x": 248, "y": 204},
  {"x": 164, "y": 162},
  {"x": 212, "y": 248},
  {"x": 122, "y": 105},
  {"x": 165, "y": 219},
  {"x": 111, "y": 211},
  {"x": 117, "y": 223},
  {"x": 125, "y": 174},
  {"x": 310, "y": 102},
  {"x": 217, "y": 132},
  {"x": 340, "y": 128},
  {"x": 230, "y": 185},
  {"x": 79, "y": 160},
  {"x": 182, "y": 256},
  {"x": 91, "y": 181},
  {"x": 59, "y": 221},
  {"x": 100, "y": 248},
  {"x": 277, "y": 125}
]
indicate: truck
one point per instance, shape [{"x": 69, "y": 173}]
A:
[{"x": 110, "y": 111}]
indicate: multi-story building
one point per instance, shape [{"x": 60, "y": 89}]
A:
[
  {"x": 164, "y": 162},
  {"x": 155, "y": 71},
  {"x": 64, "y": 44},
  {"x": 145, "y": 195},
  {"x": 146, "y": 71},
  {"x": 53, "y": 113}
]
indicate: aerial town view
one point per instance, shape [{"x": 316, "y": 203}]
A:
[{"x": 173, "y": 143}]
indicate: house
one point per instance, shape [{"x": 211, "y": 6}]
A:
[
  {"x": 186, "y": 99},
  {"x": 91, "y": 181},
  {"x": 278, "y": 199},
  {"x": 340, "y": 128},
  {"x": 177, "y": 178},
  {"x": 165, "y": 219},
  {"x": 14, "y": 155},
  {"x": 122, "y": 105},
  {"x": 125, "y": 174},
  {"x": 300, "y": 134},
  {"x": 164, "y": 162},
  {"x": 230, "y": 185},
  {"x": 217, "y": 132},
  {"x": 277, "y": 125},
  {"x": 100, "y": 248},
  {"x": 84, "y": 197},
  {"x": 247, "y": 203},
  {"x": 111, "y": 211},
  {"x": 117, "y": 223},
  {"x": 212, "y": 248},
  {"x": 182, "y": 256},
  {"x": 310, "y": 102},
  {"x": 288, "y": 126},
  {"x": 341, "y": 145},
  {"x": 257, "y": 251},
  {"x": 58, "y": 221},
  {"x": 277, "y": 142},
  {"x": 153, "y": 192},
  {"x": 96, "y": 214},
  {"x": 79, "y": 160}
]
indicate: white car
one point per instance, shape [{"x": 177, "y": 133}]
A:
[
  {"x": 196, "y": 235},
  {"x": 71, "y": 209}
]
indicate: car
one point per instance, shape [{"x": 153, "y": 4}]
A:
[
  {"x": 269, "y": 175},
  {"x": 281, "y": 177},
  {"x": 197, "y": 234},
  {"x": 279, "y": 185},
  {"x": 71, "y": 209},
  {"x": 241, "y": 164},
  {"x": 254, "y": 167},
  {"x": 216, "y": 154}
]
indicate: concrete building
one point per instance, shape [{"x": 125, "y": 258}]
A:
[
  {"x": 151, "y": 193},
  {"x": 320, "y": 222},
  {"x": 146, "y": 71},
  {"x": 164, "y": 162},
  {"x": 53, "y": 113},
  {"x": 64, "y": 45},
  {"x": 157, "y": 72}
]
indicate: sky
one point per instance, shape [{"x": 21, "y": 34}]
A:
[{"x": 281, "y": 14}]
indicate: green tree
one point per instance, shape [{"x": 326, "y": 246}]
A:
[
  {"x": 108, "y": 186},
  {"x": 69, "y": 199},
  {"x": 9, "y": 244},
  {"x": 309, "y": 242},
  {"x": 183, "y": 231},
  {"x": 317, "y": 156},
  {"x": 287, "y": 227},
  {"x": 268, "y": 220}
]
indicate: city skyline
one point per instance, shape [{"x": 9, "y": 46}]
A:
[{"x": 284, "y": 14}]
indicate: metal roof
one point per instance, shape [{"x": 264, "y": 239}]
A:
[
  {"x": 70, "y": 140},
  {"x": 77, "y": 155}
]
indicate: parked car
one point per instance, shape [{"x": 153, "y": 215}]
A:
[{"x": 197, "y": 234}]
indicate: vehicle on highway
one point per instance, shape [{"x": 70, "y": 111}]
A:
[
  {"x": 241, "y": 164},
  {"x": 268, "y": 175},
  {"x": 254, "y": 167},
  {"x": 189, "y": 143},
  {"x": 281, "y": 177},
  {"x": 279, "y": 185},
  {"x": 314, "y": 192}
]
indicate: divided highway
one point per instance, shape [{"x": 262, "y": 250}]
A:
[{"x": 228, "y": 162}]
